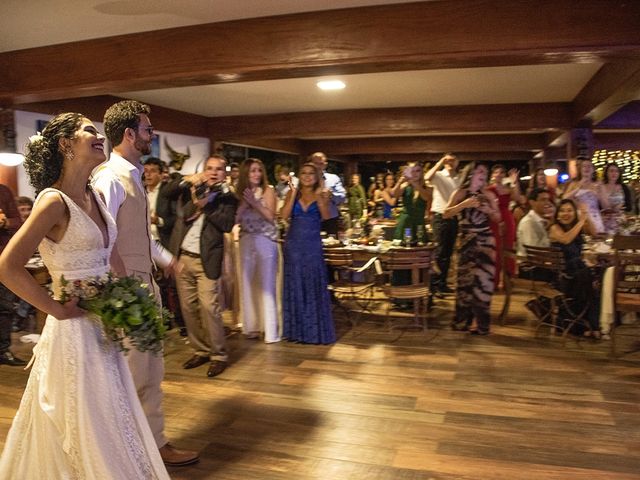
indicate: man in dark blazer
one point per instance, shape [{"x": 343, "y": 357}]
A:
[{"x": 209, "y": 210}]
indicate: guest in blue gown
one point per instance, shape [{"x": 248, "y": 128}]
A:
[{"x": 306, "y": 303}]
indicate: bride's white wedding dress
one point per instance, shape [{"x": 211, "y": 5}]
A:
[{"x": 80, "y": 417}]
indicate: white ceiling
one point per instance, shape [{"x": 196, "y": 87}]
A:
[{"x": 467, "y": 86}]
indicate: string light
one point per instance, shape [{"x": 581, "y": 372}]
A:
[{"x": 627, "y": 160}]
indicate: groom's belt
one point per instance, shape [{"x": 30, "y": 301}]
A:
[{"x": 189, "y": 254}]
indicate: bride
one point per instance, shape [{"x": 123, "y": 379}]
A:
[{"x": 80, "y": 417}]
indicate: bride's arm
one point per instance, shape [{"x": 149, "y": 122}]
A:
[{"x": 48, "y": 218}]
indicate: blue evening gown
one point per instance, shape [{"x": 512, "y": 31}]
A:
[{"x": 306, "y": 303}]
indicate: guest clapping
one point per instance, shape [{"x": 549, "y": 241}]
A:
[
  {"x": 258, "y": 252},
  {"x": 587, "y": 191},
  {"x": 306, "y": 304}
]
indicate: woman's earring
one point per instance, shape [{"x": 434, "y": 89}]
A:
[{"x": 68, "y": 154}]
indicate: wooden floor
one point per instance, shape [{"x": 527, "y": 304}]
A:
[{"x": 445, "y": 405}]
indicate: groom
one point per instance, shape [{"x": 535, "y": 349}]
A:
[{"x": 129, "y": 131}]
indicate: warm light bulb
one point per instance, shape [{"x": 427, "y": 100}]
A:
[
  {"x": 11, "y": 159},
  {"x": 331, "y": 85},
  {"x": 549, "y": 172}
]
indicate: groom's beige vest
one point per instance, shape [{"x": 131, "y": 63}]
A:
[{"x": 134, "y": 238}]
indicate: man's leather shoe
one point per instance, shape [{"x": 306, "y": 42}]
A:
[
  {"x": 216, "y": 368},
  {"x": 173, "y": 457},
  {"x": 7, "y": 358},
  {"x": 195, "y": 361}
]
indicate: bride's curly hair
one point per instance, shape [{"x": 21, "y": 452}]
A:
[{"x": 43, "y": 158}]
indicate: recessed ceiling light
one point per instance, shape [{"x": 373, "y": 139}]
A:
[{"x": 331, "y": 85}]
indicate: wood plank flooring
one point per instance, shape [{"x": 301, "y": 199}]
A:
[{"x": 440, "y": 405}]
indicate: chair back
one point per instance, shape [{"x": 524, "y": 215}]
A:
[
  {"x": 417, "y": 259},
  {"x": 337, "y": 257},
  {"x": 626, "y": 276},
  {"x": 549, "y": 258}
]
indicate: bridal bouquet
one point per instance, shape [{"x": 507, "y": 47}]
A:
[{"x": 125, "y": 306}]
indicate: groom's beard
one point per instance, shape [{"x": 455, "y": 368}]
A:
[{"x": 143, "y": 146}]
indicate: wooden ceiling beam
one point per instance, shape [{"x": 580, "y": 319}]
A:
[
  {"x": 164, "y": 119},
  {"x": 615, "y": 85},
  {"x": 411, "y": 36},
  {"x": 396, "y": 121},
  {"x": 433, "y": 144},
  {"x": 434, "y": 157}
]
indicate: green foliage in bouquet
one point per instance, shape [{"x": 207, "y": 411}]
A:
[{"x": 125, "y": 306}]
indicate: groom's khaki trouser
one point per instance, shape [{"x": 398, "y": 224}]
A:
[{"x": 147, "y": 370}]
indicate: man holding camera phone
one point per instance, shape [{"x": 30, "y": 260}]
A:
[{"x": 198, "y": 241}]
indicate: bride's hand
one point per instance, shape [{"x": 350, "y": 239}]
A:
[{"x": 70, "y": 310}]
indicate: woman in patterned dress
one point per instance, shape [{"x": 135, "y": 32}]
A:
[{"x": 476, "y": 207}]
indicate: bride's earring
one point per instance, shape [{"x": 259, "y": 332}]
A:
[{"x": 68, "y": 154}]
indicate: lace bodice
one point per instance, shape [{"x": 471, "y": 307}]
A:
[{"x": 81, "y": 252}]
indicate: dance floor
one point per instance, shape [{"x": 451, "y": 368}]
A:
[{"x": 440, "y": 405}]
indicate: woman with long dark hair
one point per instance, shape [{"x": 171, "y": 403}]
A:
[
  {"x": 618, "y": 197},
  {"x": 566, "y": 233},
  {"x": 476, "y": 207}
]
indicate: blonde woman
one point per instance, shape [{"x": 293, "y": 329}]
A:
[{"x": 258, "y": 252}]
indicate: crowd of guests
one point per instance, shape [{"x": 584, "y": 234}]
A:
[
  {"x": 488, "y": 216},
  {"x": 224, "y": 226}
]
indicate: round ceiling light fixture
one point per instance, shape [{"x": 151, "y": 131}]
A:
[
  {"x": 11, "y": 159},
  {"x": 330, "y": 84}
]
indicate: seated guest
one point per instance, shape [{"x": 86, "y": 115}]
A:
[
  {"x": 305, "y": 302},
  {"x": 566, "y": 234},
  {"x": 532, "y": 229},
  {"x": 258, "y": 252},
  {"x": 476, "y": 207}
]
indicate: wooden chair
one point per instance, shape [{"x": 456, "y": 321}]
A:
[
  {"x": 551, "y": 260},
  {"x": 418, "y": 261},
  {"x": 626, "y": 281},
  {"x": 352, "y": 285}
]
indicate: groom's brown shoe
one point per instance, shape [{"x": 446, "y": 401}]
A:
[
  {"x": 173, "y": 457},
  {"x": 195, "y": 361}
]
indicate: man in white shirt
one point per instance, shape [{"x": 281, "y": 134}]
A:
[
  {"x": 444, "y": 179},
  {"x": 119, "y": 180},
  {"x": 532, "y": 229},
  {"x": 332, "y": 183}
]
